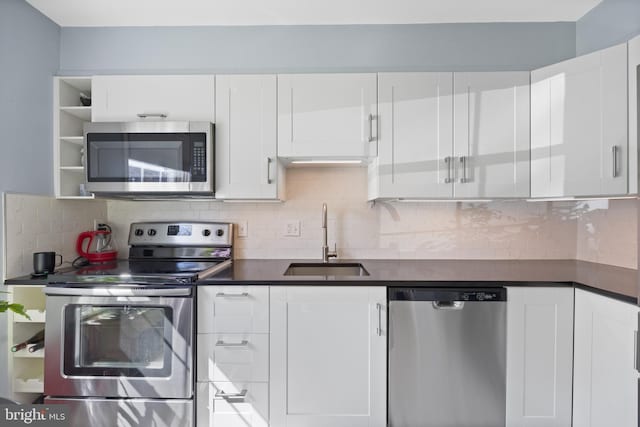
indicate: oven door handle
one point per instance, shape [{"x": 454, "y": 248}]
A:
[{"x": 118, "y": 292}]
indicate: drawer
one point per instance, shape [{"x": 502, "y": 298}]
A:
[
  {"x": 233, "y": 357},
  {"x": 250, "y": 411},
  {"x": 233, "y": 309}
]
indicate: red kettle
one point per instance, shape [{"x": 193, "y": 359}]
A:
[{"x": 99, "y": 247}]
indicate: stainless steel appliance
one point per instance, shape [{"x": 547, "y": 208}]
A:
[
  {"x": 150, "y": 158},
  {"x": 447, "y": 357},
  {"x": 120, "y": 335}
]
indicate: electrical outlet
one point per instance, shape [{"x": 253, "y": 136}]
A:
[
  {"x": 243, "y": 229},
  {"x": 292, "y": 228}
]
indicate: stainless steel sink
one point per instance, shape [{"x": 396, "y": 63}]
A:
[{"x": 321, "y": 269}]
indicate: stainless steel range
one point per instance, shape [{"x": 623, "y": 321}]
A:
[{"x": 119, "y": 336}]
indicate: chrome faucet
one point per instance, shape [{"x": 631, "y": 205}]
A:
[{"x": 326, "y": 253}]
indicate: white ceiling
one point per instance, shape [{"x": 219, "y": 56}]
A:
[{"x": 74, "y": 13}]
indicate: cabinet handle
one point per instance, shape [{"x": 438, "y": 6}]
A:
[
  {"x": 241, "y": 395},
  {"x": 225, "y": 295},
  {"x": 243, "y": 343},
  {"x": 370, "y": 128},
  {"x": 145, "y": 115},
  {"x": 463, "y": 164},
  {"x": 448, "y": 179},
  {"x": 614, "y": 154},
  {"x": 268, "y": 170},
  {"x": 636, "y": 362},
  {"x": 379, "y": 329}
]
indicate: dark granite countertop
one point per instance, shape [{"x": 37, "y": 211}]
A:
[
  {"x": 617, "y": 281},
  {"x": 609, "y": 280}
]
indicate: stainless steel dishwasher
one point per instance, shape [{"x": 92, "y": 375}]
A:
[{"x": 447, "y": 357}]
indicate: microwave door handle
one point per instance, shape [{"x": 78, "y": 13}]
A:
[
  {"x": 146, "y": 115},
  {"x": 116, "y": 292}
]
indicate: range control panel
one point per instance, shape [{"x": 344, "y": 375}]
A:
[{"x": 181, "y": 234}]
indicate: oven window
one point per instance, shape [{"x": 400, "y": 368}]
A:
[{"x": 118, "y": 340}]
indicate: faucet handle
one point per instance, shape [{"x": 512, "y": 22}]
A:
[{"x": 334, "y": 253}]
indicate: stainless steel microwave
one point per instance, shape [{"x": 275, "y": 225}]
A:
[{"x": 150, "y": 158}]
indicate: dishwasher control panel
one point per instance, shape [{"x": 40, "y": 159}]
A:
[{"x": 448, "y": 294}]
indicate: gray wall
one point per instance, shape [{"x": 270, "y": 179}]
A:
[
  {"x": 456, "y": 47},
  {"x": 29, "y": 57},
  {"x": 610, "y": 23}
]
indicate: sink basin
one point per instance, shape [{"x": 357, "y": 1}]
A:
[{"x": 320, "y": 269}]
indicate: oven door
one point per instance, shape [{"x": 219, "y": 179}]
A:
[
  {"x": 119, "y": 342},
  {"x": 149, "y": 157}
]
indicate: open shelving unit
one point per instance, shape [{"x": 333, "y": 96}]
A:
[
  {"x": 26, "y": 370},
  {"x": 68, "y": 141}
]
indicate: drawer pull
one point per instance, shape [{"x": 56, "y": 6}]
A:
[
  {"x": 243, "y": 343},
  {"x": 235, "y": 396},
  {"x": 225, "y": 295}
]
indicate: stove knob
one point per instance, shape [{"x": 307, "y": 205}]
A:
[
  {"x": 139, "y": 232},
  {"x": 219, "y": 232},
  {"x": 206, "y": 233},
  {"x": 151, "y": 232}
]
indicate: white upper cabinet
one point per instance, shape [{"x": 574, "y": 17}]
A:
[
  {"x": 579, "y": 126},
  {"x": 634, "y": 98},
  {"x": 491, "y": 134},
  {"x": 327, "y": 115},
  {"x": 134, "y": 98},
  {"x": 605, "y": 379},
  {"x": 539, "y": 356},
  {"x": 328, "y": 361},
  {"x": 246, "y": 137},
  {"x": 415, "y": 144}
]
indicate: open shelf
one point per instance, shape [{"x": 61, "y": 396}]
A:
[{"x": 69, "y": 119}]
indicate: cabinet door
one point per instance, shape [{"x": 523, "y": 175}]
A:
[
  {"x": 124, "y": 98},
  {"x": 634, "y": 99},
  {"x": 491, "y": 134},
  {"x": 579, "y": 126},
  {"x": 246, "y": 120},
  {"x": 539, "y": 356},
  {"x": 326, "y": 115},
  {"x": 415, "y": 148},
  {"x": 328, "y": 356},
  {"x": 605, "y": 380}
]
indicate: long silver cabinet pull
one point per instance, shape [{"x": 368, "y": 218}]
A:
[
  {"x": 370, "y": 128},
  {"x": 463, "y": 164},
  {"x": 379, "y": 330},
  {"x": 614, "y": 153},
  {"x": 145, "y": 115},
  {"x": 241, "y": 395},
  {"x": 636, "y": 354},
  {"x": 117, "y": 292},
  {"x": 225, "y": 295},
  {"x": 447, "y": 161},
  {"x": 268, "y": 170},
  {"x": 243, "y": 343}
]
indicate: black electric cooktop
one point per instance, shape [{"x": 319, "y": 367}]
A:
[{"x": 141, "y": 272}]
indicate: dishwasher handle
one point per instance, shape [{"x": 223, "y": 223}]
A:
[{"x": 448, "y": 305}]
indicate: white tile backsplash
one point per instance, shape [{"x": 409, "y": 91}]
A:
[
  {"x": 607, "y": 232},
  {"x": 435, "y": 230},
  {"x": 41, "y": 223},
  {"x": 601, "y": 231}
]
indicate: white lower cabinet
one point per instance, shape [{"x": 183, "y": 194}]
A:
[
  {"x": 328, "y": 356},
  {"x": 605, "y": 379},
  {"x": 539, "y": 356},
  {"x": 232, "y": 359},
  {"x": 250, "y": 409}
]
